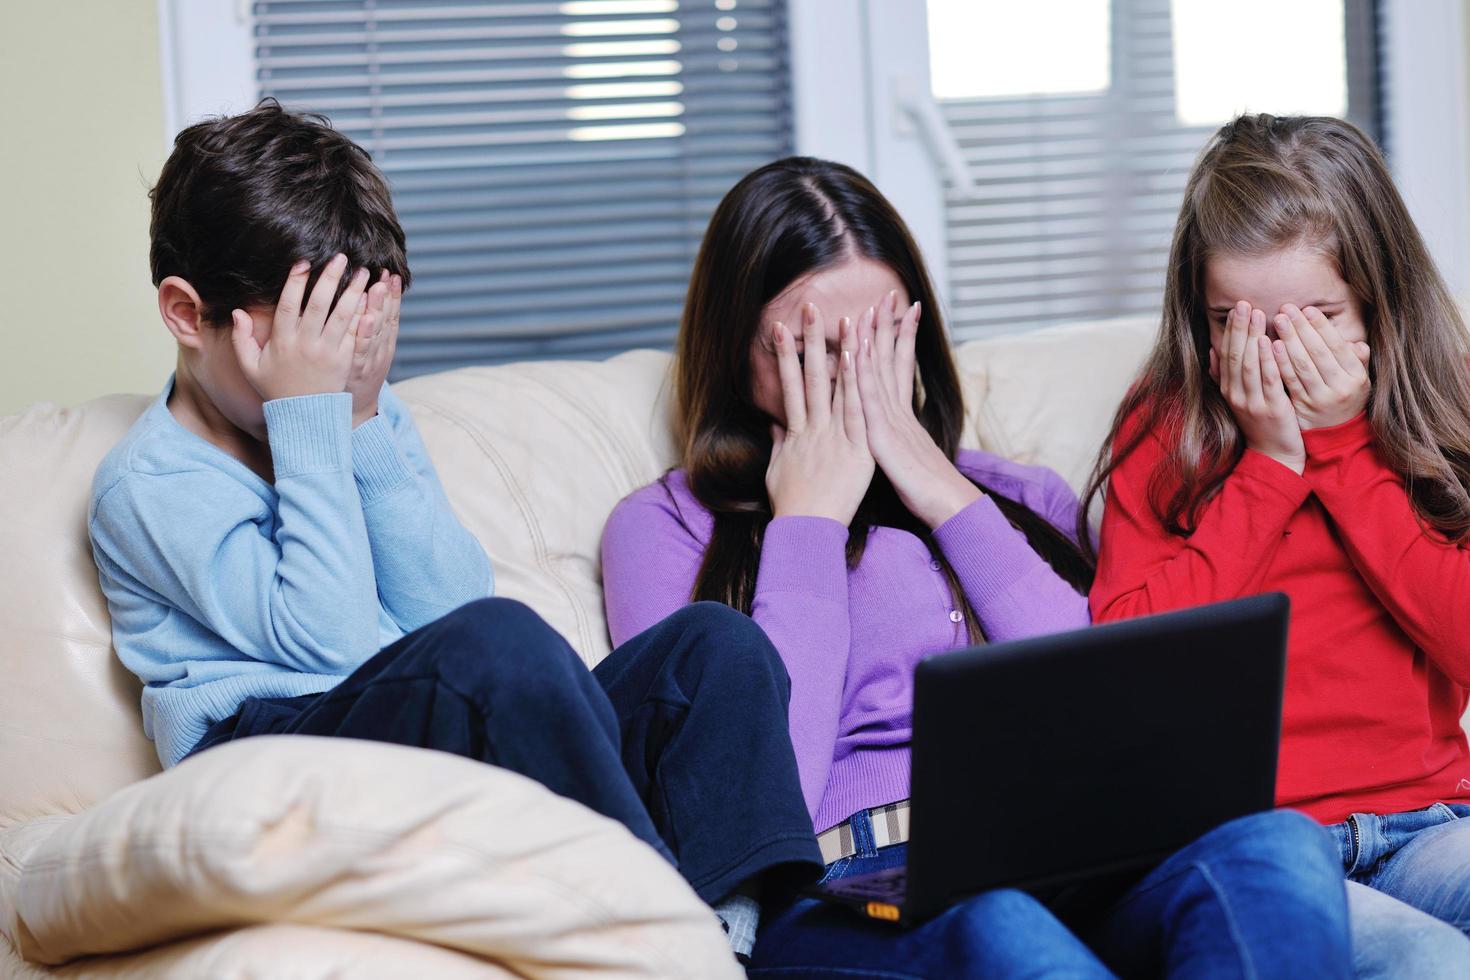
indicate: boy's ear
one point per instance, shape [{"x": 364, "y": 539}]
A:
[{"x": 182, "y": 311}]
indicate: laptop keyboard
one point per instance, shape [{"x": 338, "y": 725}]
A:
[{"x": 881, "y": 886}]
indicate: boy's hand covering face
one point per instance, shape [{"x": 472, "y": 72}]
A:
[
  {"x": 375, "y": 343},
  {"x": 309, "y": 351}
]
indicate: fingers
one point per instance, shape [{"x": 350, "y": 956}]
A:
[
  {"x": 839, "y": 397},
  {"x": 903, "y": 354},
  {"x": 1328, "y": 367},
  {"x": 395, "y": 302},
  {"x": 348, "y": 337},
  {"x": 242, "y": 337},
  {"x": 319, "y": 304},
  {"x": 793, "y": 395},
  {"x": 1342, "y": 352},
  {"x": 778, "y": 439},
  {"x": 868, "y": 383},
  {"x": 288, "y": 307},
  {"x": 1301, "y": 360},
  {"x": 1237, "y": 326},
  {"x": 852, "y": 401},
  {"x": 389, "y": 327},
  {"x": 1272, "y": 387},
  {"x": 1287, "y": 372},
  {"x": 814, "y": 361},
  {"x": 1250, "y": 368},
  {"x": 363, "y": 331},
  {"x": 1363, "y": 352},
  {"x": 349, "y": 309},
  {"x": 885, "y": 335},
  {"x": 369, "y": 323}
]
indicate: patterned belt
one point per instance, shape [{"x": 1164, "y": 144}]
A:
[{"x": 890, "y": 826}]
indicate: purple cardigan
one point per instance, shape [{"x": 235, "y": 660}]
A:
[{"x": 851, "y": 640}]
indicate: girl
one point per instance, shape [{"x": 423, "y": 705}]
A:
[
  {"x": 1263, "y": 448},
  {"x": 823, "y": 493}
]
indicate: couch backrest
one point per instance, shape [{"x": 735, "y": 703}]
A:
[{"x": 533, "y": 457}]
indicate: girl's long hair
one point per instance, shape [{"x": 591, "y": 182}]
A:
[
  {"x": 1264, "y": 183},
  {"x": 780, "y": 223}
]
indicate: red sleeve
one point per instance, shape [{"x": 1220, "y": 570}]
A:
[
  {"x": 1144, "y": 569},
  {"x": 1422, "y": 579}
]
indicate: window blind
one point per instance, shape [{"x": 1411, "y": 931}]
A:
[
  {"x": 554, "y": 164},
  {"x": 1078, "y": 194}
]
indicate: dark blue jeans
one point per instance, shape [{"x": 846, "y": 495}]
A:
[
  {"x": 1260, "y": 897},
  {"x": 680, "y": 734}
]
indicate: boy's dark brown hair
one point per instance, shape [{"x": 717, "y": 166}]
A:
[{"x": 243, "y": 197}]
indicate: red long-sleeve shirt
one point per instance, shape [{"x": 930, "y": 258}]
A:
[{"x": 1378, "y": 658}]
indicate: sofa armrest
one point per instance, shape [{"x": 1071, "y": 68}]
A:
[{"x": 358, "y": 835}]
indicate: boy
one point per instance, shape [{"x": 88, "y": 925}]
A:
[{"x": 278, "y": 555}]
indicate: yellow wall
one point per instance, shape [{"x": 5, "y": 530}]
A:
[{"x": 82, "y": 119}]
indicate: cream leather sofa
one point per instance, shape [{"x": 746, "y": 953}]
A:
[{"x": 298, "y": 857}]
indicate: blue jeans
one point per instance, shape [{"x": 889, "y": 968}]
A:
[
  {"x": 1261, "y": 897},
  {"x": 1409, "y": 891},
  {"x": 680, "y": 734}
]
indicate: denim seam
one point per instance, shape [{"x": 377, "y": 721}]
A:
[
  {"x": 1230, "y": 922},
  {"x": 1229, "y": 914}
]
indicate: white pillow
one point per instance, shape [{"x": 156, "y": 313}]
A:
[{"x": 359, "y": 835}]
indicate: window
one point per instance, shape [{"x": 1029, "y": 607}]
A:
[
  {"x": 553, "y": 163},
  {"x": 1078, "y": 177}
]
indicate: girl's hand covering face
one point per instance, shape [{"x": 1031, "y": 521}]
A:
[
  {"x": 925, "y": 479},
  {"x": 820, "y": 465},
  {"x": 1326, "y": 377},
  {"x": 1242, "y": 363}
]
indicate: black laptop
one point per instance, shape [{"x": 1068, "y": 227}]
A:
[{"x": 1047, "y": 763}]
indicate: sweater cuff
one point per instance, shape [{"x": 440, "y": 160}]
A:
[
  {"x": 1262, "y": 469},
  {"x": 1355, "y": 433},
  {"x": 806, "y": 555},
  {"x": 309, "y": 433},
  {"x": 975, "y": 542},
  {"x": 377, "y": 464}
]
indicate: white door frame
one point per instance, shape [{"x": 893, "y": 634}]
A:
[
  {"x": 854, "y": 63},
  {"x": 205, "y": 53}
]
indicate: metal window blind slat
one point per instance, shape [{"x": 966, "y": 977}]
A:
[
  {"x": 1077, "y": 193},
  {"x": 553, "y": 164}
]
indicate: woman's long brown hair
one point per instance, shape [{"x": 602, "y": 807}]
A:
[
  {"x": 779, "y": 223},
  {"x": 1264, "y": 183}
]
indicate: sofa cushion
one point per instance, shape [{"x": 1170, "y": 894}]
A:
[
  {"x": 354, "y": 835},
  {"x": 268, "y": 953},
  {"x": 1049, "y": 396},
  {"x": 70, "y": 730},
  {"x": 534, "y": 457}
]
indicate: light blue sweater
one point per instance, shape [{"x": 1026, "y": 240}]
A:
[{"x": 223, "y": 587}]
